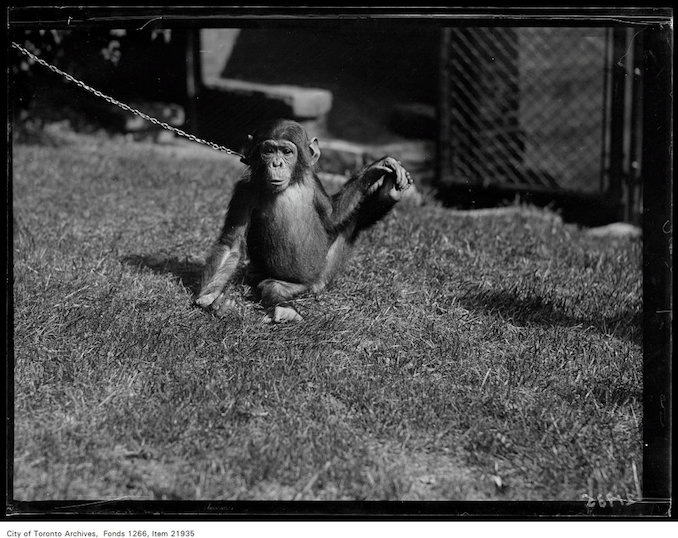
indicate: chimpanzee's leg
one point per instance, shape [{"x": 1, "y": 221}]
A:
[{"x": 276, "y": 296}]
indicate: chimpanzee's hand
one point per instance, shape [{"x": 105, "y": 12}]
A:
[
  {"x": 392, "y": 169},
  {"x": 221, "y": 305}
]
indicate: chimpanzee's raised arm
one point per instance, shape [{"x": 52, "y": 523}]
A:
[{"x": 365, "y": 182}]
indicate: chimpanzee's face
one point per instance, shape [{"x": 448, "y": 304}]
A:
[{"x": 278, "y": 161}]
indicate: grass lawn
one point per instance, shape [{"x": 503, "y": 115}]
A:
[{"x": 456, "y": 357}]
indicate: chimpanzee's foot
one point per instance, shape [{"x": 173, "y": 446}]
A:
[
  {"x": 273, "y": 291},
  {"x": 282, "y": 314},
  {"x": 274, "y": 296}
]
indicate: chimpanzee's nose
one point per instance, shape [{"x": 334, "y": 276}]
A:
[{"x": 277, "y": 163}]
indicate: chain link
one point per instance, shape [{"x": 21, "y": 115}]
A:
[{"x": 128, "y": 108}]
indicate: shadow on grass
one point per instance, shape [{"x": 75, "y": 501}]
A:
[
  {"x": 187, "y": 271},
  {"x": 626, "y": 324}
]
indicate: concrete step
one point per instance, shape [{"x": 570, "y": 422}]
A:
[
  {"x": 344, "y": 157},
  {"x": 301, "y": 103},
  {"x": 228, "y": 109},
  {"x": 340, "y": 158}
]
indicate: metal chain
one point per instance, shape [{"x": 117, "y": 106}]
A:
[{"x": 128, "y": 108}]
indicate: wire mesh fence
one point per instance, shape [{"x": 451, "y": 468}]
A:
[{"x": 526, "y": 107}]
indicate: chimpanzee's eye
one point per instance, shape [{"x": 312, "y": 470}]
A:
[{"x": 287, "y": 151}]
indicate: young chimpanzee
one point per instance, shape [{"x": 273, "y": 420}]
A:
[{"x": 297, "y": 235}]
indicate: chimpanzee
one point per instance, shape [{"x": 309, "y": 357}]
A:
[{"x": 297, "y": 235}]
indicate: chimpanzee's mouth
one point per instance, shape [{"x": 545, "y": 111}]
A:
[{"x": 278, "y": 185}]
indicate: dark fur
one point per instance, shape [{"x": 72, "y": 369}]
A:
[{"x": 296, "y": 238}]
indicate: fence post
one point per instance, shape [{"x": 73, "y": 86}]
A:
[
  {"x": 617, "y": 116},
  {"x": 657, "y": 262},
  {"x": 444, "y": 140},
  {"x": 634, "y": 185},
  {"x": 193, "y": 78}
]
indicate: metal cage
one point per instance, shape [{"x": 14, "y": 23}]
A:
[{"x": 543, "y": 109}]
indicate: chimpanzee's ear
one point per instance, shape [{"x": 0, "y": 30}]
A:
[{"x": 315, "y": 150}]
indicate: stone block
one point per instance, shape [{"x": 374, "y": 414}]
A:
[
  {"x": 340, "y": 156},
  {"x": 302, "y": 103},
  {"x": 227, "y": 110},
  {"x": 416, "y": 155}
]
